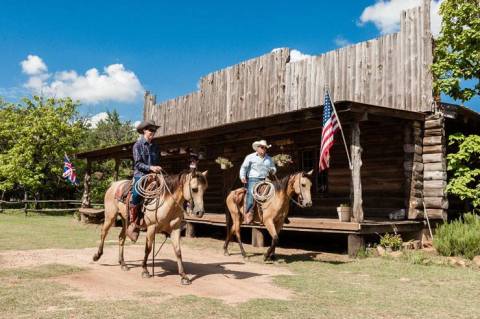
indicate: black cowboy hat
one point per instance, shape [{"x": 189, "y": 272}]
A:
[{"x": 146, "y": 124}]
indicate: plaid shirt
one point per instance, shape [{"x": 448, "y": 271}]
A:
[{"x": 144, "y": 155}]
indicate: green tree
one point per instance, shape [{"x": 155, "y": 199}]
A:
[
  {"x": 111, "y": 131},
  {"x": 108, "y": 132},
  {"x": 457, "y": 50},
  {"x": 465, "y": 168},
  {"x": 34, "y": 135}
]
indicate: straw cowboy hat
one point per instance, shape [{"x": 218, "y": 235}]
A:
[
  {"x": 146, "y": 124},
  {"x": 260, "y": 143}
]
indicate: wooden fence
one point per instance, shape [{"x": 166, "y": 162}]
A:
[{"x": 390, "y": 71}]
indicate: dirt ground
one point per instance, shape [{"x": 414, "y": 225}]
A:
[{"x": 228, "y": 278}]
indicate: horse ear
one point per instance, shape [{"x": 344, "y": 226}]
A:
[
  {"x": 205, "y": 173},
  {"x": 309, "y": 173}
]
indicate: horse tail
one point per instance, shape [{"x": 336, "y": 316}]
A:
[{"x": 228, "y": 218}]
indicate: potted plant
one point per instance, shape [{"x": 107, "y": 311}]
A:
[
  {"x": 224, "y": 162},
  {"x": 344, "y": 212},
  {"x": 282, "y": 160}
]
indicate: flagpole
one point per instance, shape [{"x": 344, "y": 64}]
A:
[{"x": 341, "y": 129}]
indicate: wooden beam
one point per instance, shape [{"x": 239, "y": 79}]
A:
[
  {"x": 257, "y": 238},
  {"x": 117, "y": 167},
  {"x": 86, "y": 198},
  {"x": 356, "y": 183},
  {"x": 355, "y": 244}
]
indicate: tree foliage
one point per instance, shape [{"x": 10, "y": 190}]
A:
[
  {"x": 34, "y": 135},
  {"x": 465, "y": 167},
  {"x": 457, "y": 49},
  {"x": 108, "y": 132}
]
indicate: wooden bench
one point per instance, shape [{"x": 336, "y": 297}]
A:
[{"x": 91, "y": 215}]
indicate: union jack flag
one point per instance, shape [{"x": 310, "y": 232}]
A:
[
  {"x": 69, "y": 171},
  {"x": 330, "y": 126}
]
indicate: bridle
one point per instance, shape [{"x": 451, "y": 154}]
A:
[{"x": 300, "y": 196}]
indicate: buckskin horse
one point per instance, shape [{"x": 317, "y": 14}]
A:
[
  {"x": 274, "y": 210},
  {"x": 161, "y": 215}
]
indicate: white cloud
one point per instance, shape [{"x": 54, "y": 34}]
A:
[
  {"x": 115, "y": 83},
  {"x": 33, "y": 65},
  {"x": 94, "y": 120},
  {"x": 296, "y": 55},
  {"x": 340, "y": 41},
  {"x": 385, "y": 14}
]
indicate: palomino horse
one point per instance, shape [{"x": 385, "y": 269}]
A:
[
  {"x": 275, "y": 209},
  {"x": 165, "y": 216}
]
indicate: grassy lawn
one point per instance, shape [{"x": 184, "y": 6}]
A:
[
  {"x": 36, "y": 231},
  {"x": 364, "y": 288}
]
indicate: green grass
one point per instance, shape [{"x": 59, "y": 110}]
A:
[
  {"x": 35, "y": 231},
  {"x": 414, "y": 286}
]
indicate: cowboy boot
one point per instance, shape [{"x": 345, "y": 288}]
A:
[
  {"x": 133, "y": 230},
  {"x": 248, "y": 218}
]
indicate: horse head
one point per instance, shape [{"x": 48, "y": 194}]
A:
[
  {"x": 193, "y": 189},
  {"x": 302, "y": 187}
]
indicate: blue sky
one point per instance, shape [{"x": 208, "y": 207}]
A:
[{"x": 164, "y": 47}]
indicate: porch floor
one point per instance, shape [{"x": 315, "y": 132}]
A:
[{"x": 325, "y": 225}]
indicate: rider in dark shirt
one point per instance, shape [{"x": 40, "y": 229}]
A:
[{"x": 146, "y": 159}]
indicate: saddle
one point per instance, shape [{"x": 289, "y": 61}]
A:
[
  {"x": 124, "y": 192},
  {"x": 239, "y": 197}
]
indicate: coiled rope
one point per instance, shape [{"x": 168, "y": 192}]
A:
[
  {"x": 152, "y": 186},
  {"x": 263, "y": 191}
]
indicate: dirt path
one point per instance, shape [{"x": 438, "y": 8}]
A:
[{"x": 230, "y": 278}]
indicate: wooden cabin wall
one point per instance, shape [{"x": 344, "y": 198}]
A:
[
  {"x": 390, "y": 71},
  {"x": 382, "y": 170}
]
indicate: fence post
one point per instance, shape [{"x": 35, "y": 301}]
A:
[{"x": 25, "y": 198}]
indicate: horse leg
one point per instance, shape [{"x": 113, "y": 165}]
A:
[
  {"x": 273, "y": 232},
  {"x": 148, "y": 248},
  {"x": 236, "y": 229},
  {"x": 121, "y": 245},
  {"x": 109, "y": 220},
  {"x": 175, "y": 237}
]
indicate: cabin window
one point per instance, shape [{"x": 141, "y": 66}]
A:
[{"x": 309, "y": 160}]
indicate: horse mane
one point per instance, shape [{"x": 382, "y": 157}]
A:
[
  {"x": 174, "y": 181},
  {"x": 282, "y": 184}
]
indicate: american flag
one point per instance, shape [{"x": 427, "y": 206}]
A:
[
  {"x": 69, "y": 171},
  {"x": 330, "y": 126}
]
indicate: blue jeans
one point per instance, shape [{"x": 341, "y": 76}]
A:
[
  {"x": 136, "y": 198},
  {"x": 251, "y": 182}
]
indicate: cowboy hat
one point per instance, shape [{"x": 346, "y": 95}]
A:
[
  {"x": 260, "y": 143},
  {"x": 146, "y": 124}
]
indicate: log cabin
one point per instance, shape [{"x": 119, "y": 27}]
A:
[{"x": 395, "y": 131}]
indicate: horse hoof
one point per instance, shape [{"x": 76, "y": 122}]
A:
[
  {"x": 186, "y": 281},
  {"x": 96, "y": 257},
  {"x": 146, "y": 274},
  {"x": 125, "y": 267},
  {"x": 225, "y": 253}
]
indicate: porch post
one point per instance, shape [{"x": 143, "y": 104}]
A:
[
  {"x": 356, "y": 183},
  {"x": 86, "y": 200},
  {"x": 117, "y": 167}
]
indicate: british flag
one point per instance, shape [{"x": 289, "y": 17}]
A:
[
  {"x": 69, "y": 171},
  {"x": 330, "y": 126}
]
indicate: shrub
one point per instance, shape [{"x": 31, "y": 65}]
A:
[
  {"x": 459, "y": 238},
  {"x": 393, "y": 241}
]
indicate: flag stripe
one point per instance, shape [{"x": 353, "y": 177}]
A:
[{"x": 330, "y": 127}]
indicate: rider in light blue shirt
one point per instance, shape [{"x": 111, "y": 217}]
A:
[{"x": 256, "y": 167}]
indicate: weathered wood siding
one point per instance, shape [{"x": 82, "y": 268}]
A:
[{"x": 391, "y": 71}]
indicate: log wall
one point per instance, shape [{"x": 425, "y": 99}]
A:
[
  {"x": 435, "y": 172},
  {"x": 382, "y": 172}
]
